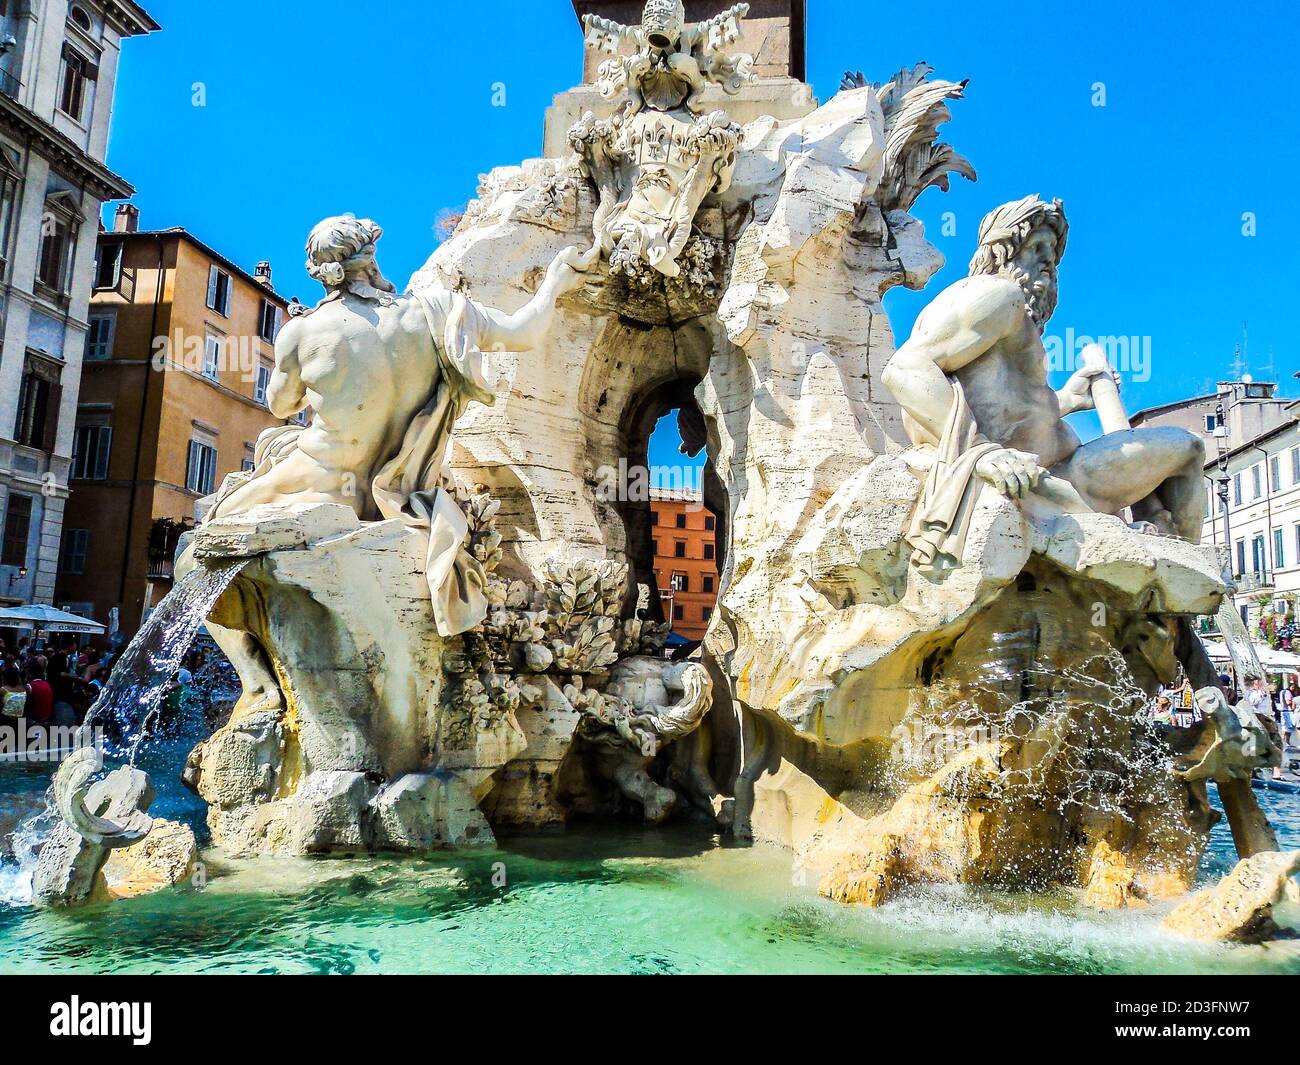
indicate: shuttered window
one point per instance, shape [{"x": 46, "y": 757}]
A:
[
  {"x": 18, "y": 523},
  {"x": 201, "y": 476}
]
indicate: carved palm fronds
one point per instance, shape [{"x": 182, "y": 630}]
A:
[{"x": 914, "y": 108}]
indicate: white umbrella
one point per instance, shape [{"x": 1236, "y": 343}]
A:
[{"x": 48, "y": 619}]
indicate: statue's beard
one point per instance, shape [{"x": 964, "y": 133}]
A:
[{"x": 1041, "y": 294}]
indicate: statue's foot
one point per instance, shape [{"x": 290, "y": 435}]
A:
[{"x": 1146, "y": 528}]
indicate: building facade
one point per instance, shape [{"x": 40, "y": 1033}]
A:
[
  {"x": 173, "y": 399},
  {"x": 1252, "y": 490},
  {"x": 58, "y": 68},
  {"x": 686, "y": 562},
  {"x": 1238, "y": 412},
  {"x": 1258, "y": 523}
]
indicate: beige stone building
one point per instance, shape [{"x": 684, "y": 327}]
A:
[{"x": 58, "y": 67}]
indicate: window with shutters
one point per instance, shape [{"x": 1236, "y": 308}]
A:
[
  {"x": 108, "y": 264},
  {"x": 271, "y": 320},
  {"x": 90, "y": 452},
  {"x": 1295, "y": 465},
  {"x": 60, "y": 225},
  {"x": 1275, "y": 473},
  {"x": 212, "y": 357},
  {"x": 263, "y": 385},
  {"x": 219, "y": 292},
  {"x": 79, "y": 73},
  {"x": 76, "y": 546},
  {"x": 201, "y": 474},
  {"x": 18, "y": 524},
  {"x": 39, "y": 397},
  {"x": 681, "y": 582},
  {"x": 10, "y": 182},
  {"x": 99, "y": 338}
]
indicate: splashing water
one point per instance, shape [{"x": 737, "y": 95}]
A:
[
  {"x": 142, "y": 675},
  {"x": 128, "y": 705},
  {"x": 1083, "y": 734},
  {"x": 25, "y": 846}
]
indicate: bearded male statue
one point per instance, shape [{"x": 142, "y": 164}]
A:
[
  {"x": 972, "y": 381},
  {"x": 385, "y": 378}
]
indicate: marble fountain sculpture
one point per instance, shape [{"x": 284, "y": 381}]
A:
[{"x": 940, "y": 617}]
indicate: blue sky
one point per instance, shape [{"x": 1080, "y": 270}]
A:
[{"x": 313, "y": 110}]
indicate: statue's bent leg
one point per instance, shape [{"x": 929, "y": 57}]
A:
[
  {"x": 261, "y": 687},
  {"x": 1158, "y": 472},
  {"x": 257, "y": 678}
]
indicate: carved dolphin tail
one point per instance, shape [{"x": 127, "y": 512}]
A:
[{"x": 71, "y": 784}]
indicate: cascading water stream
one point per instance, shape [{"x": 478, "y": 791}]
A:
[
  {"x": 140, "y": 678},
  {"x": 131, "y": 699}
]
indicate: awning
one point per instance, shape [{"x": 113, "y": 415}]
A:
[
  {"x": 47, "y": 619},
  {"x": 1268, "y": 657}
]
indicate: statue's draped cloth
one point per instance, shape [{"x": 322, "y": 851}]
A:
[
  {"x": 942, "y": 522},
  {"x": 409, "y": 484}
]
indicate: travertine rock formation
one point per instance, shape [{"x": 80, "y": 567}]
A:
[{"x": 1240, "y": 907}]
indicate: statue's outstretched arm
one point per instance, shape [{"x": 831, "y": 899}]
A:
[{"x": 527, "y": 327}]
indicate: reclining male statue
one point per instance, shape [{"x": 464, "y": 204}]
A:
[
  {"x": 972, "y": 381},
  {"x": 384, "y": 377}
]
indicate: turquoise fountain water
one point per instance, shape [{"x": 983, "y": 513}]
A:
[
  {"x": 611, "y": 899},
  {"x": 605, "y": 900}
]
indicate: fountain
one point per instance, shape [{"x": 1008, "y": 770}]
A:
[{"x": 941, "y": 616}]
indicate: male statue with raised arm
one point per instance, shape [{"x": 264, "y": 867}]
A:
[
  {"x": 972, "y": 381},
  {"x": 384, "y": 377}
]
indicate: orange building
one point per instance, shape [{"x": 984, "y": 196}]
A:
[
  {"x": 173, "y": 397},
  {"x": 686, "y": 563}
]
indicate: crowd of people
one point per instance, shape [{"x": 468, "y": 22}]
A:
[{"x": 53, "y": 683}]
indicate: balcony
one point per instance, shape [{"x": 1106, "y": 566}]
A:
[
  {"x": 1261, "y": 581},
  {"x": 161, "y": 569}
]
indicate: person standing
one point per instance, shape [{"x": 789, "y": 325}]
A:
[
  {"x": 62, "y": 679},
  {"x": 1287, "y": 706},
  {"x": 40, "y": 696}
]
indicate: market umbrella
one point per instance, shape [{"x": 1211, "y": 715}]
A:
[{"x": 48, "y": 619}]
